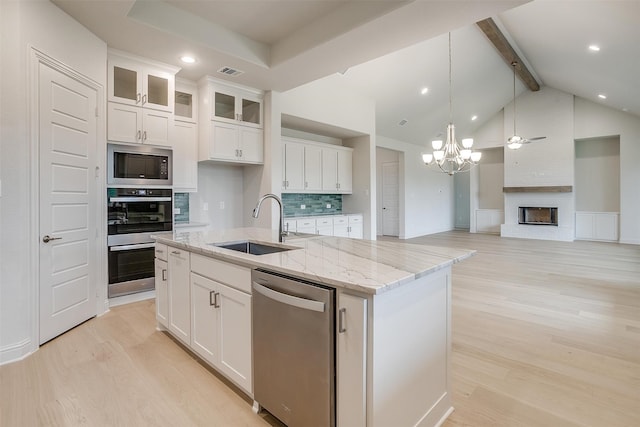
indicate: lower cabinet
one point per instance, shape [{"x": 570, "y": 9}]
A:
[
  {"x": 221, "y": 328},
  {"x": 179, "y": 295},
  {"x": 162, "y": 296},
  {"x": 351, "y": 361},
  {"x": 206, "y": 303}
]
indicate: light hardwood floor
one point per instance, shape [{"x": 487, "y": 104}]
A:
[{"x": 544, "y": 334}]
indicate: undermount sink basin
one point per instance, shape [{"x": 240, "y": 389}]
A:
[{"x": 252, "y": 248}]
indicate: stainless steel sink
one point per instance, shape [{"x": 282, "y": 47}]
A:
[{"x": 252, "y": 248}]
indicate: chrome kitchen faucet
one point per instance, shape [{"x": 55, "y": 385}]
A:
[{"x": 256, "y": 212}]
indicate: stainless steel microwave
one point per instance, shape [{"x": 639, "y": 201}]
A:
[{"x": 139, "y": 165}]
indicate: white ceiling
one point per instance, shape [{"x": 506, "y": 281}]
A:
[{"x": 390, "y": 49}]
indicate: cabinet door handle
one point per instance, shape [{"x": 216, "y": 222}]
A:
[
  {"x": 138, "y": 98},
  {"x": 175, "y": 252},
  {"x": 216, "y": 303},
  {"x": 212, "y": 294},
  {"x": 144, "y": 135},
  {"x": 138, "y": 135},
  {"x": 164, "y": 274},
  {"x": 342, "y": 321},
  {"x": 240, "y": 153},
  {"x": 306, "y": 184},
  {"x": 144, "y": 99}
]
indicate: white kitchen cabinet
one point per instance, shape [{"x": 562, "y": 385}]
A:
[
  {"x": 234, "y": 104},
  {"x": 161, "y": 282},
  {"x": 179, "y": 294},
  {"x": 204, "y": 318},
  {"x": 221, "y": 317},
  {"x": 184, "y": 141},
  {"x": 231, "y": 123},
  {"x": 302, "y": 166},
  {"x": 140, "y": 82},
  {"x": 324, "y": 226},
  {"x": 356, "y": 230},
  {"x": 137, "y": 125},
  {"x": 185, "y": 107},
  {"x": 337, "y": 170},
  {"x": 312, "y": 168},
  {"x": 306, "y": 225},
  {"x": 293, "y": 166},
  {"x": 351, "y": 361},
  {"x": 341, "y": 226},
  {"x": 348, "y": 226},
  {"x": 233, "y": 143}
]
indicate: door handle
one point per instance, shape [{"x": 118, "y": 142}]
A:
[
  {"x": 48, "y": 238},
  {"x": 341, "y": 320},
  {"x": 144, "y": 99}
]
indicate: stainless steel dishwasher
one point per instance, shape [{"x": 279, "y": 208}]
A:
[{"x": 294, "y": 349}]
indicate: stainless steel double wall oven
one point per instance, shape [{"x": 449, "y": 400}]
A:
[{"x": 139, "y": 204}]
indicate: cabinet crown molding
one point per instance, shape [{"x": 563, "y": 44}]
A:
[{"x": 132, "y": 57}]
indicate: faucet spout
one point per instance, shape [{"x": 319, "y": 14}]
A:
[{"x": 256, "y": 212}]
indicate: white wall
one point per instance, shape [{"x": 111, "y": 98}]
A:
[
  {"x": 425, "y": 192},
  {"x": 42, "y": 25},
  {"x": 363, "y": 199},
  {"x": 218, "y": 183},
  {"x": 595, "y": 120},
  {"x": 597, "y": 180},
  {"x": 490, "y": 179},
  {"x": 327, "y": 102},
  {"x": 548, "y": 112}
]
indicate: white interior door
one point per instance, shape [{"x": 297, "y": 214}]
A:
[
  {"x": 67, "y": 143},
  {"x": 390, "y": 203}
]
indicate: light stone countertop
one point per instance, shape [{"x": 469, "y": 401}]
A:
[{"x": 367, "y": 266}]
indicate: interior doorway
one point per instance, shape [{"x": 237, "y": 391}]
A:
[
  {"x": 388, "y": 193},
  {"x": 67, "y": 137}
]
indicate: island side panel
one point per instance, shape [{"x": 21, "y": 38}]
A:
[{"x": 410, "y": 353}]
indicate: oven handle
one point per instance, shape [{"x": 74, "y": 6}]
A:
[
  {"x": 130, "y": 247},
  {"x": 140, "y": 199}
]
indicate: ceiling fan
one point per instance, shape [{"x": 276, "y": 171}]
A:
[{"x": 514, "y": 142}]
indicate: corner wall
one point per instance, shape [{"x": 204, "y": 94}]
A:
[
  {"x": 426, "y": 193},
  {"x": 594, "y": 120}
]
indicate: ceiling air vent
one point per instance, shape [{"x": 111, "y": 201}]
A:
[
  {"x": 230, "y": 71},
  {"x": 403, "y": 122}
]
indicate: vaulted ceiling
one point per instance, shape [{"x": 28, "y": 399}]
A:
[{"x": 389, "y": 49}]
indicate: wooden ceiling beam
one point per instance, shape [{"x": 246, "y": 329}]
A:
[{"x": 495, "y": 36}]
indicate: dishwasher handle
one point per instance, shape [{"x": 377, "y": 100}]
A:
[{"x": 303, "y": 303}]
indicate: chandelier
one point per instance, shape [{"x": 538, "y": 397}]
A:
[{"x": 450, "y": 156}]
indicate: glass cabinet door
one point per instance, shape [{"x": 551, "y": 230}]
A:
[
  {"x": 157, "y": 90},
  {"x": 183, "y": 105},
  {"x": 125, "y": 84},
  {"x": 224, "y": 106},
  {"x": 251, "y": 111}
]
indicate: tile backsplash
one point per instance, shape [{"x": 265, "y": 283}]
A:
[
  {"x": 181, "y": 201},
  {"x": 315, "y": 204}
]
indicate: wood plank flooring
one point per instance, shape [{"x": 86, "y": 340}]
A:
[{"x": 544, "y": 334}]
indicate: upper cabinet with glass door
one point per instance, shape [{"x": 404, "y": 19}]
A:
[
  {"x": 140, "y": 82},
  {"x": 237, "y": 105}
]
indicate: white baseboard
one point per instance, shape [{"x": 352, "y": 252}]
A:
[
  {"x": 127, "y": 299},
  {"x": 15, "y": 352}
]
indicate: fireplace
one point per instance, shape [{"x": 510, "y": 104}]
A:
[{"x": 535, "y": 215}]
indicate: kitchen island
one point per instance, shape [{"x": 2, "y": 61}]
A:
[{"x": 393, "y": 303}]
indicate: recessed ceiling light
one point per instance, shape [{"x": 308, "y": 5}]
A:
[
  {"x": 424, "y": 90},
  {"x": 474, "y": 117},
  {"x": 187, "y": 59},
  {"x": 601, "y": 96},
  {"x": 594, "y": 48},
  {"x": 625, "y": 110}
]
